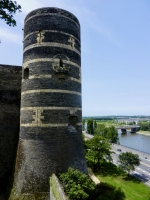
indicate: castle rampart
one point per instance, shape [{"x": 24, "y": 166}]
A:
[
  {"x": 50, "y": 138},
  {"x": 10, "y": 89}
]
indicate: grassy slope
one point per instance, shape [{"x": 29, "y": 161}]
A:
[{"x": 133, "y": 188}]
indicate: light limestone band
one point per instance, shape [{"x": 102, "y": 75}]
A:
[
  {"x": 76, "y": 80},
  {"x": 51, "y": 108},
  {"x": 48, "y": 125},
  {"x": 52, "y": 31},
  {"x": 50, "y": 90},
  {"x": 49, "y": 60},
  {"x": 38, "y": 76},
  {"x": 51, "y": 44},
  {"x": 42, "y": 14},
  {"x": 49, "y": 76}
]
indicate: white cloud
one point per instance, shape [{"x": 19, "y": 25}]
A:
[
  {"x": 28, "y": 6},
  {"x": 9, "y": 35},
  {"x": 106, "y": 32}
]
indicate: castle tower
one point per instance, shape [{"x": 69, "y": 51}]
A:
[{"x": 51, "y": 112}]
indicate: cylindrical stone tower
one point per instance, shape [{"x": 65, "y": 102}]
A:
[{"x": 51, "y": 111}]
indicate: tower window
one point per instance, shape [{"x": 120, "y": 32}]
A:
[
  {"x": 73, "y": 120},
  {"x": 26, "y": 73}
]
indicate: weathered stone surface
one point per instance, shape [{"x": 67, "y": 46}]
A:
[
  {"x": 10, "y": 89},
  {"x": 51, "y": 111},
  {"x": 56, "y": 190},
  {"x": 51, "y": 83},
  {"x": 51, "y": 99}
]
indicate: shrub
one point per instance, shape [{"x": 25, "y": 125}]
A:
[
  {"x": 107, "y": 192},
  {"x": 77, "y": 185}
]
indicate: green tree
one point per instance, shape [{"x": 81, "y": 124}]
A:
[
  {"x": 128, "y": 161},
  {"x": 100, "y": 130},
  {"x": 131, "y": 123},
  {"x": 76, "y": 184},
  {"x": 83, "y": 138},
  {"x": 111, "y": 133},
  {"x": 145, "y": 125},
  {"x": 108, "y": 191},
  {"x": 95, "y": 124},
  {"x": 90, "y": 129},
  {"x": 98, "y": 150},
  {"x": 83, "y": 124},
  {"x": 7, "y": 9}
]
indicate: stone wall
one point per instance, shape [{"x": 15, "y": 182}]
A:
[
  {"x": 10, "y": 89},
  {"x": 56, "y": 191},
  {"x": 50, "y": 137}
]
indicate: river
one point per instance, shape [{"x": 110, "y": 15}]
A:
[{"x": 135, "y": 140}]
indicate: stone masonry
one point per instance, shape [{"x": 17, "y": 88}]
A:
[
  {"x": 50, "y": 138},
  {"x": 10, "y": 89}
]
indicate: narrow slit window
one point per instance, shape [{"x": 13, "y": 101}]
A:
[
  {"x": 73, "y": 120},
  {"x": 26, "y": 73}
]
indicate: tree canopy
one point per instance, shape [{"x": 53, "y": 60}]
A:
[
  {"x": 76, "y": 184},
  {"x": 145, "y": 125},
  {"x": 110, "y": 132},
  {"x": 90, "y": 128},
  {"x": 83, "y": 124},
  {"x": 128, "y": 161},
  {"x": 7, "y": 10},
  {"x": 98, "y": 149}
]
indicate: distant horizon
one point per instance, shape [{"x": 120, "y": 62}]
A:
[{"x": 119, "y": 116}]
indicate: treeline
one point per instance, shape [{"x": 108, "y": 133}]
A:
[
  {"x": 100, "y": 118},
  {"x": 93, "y": 128},
  {"x": 145, "y": 125}
]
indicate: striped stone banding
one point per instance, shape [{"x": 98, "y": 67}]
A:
[
  {"x": 49, "y": 60},
  {"x": 38, "y": 76},
  {"x": 48, "y": 125},
  {"x": 50, "y": 76},
  {"x": 43, "y": 14},
  {"x": 51, "y": 44},
  {"x": 76, "y": 80},
  {"x": 49, "y": 91},
  {"x": 52, "y": 31},
  {"x": 51, "y": 108}
]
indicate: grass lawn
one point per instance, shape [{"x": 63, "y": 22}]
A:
[{"x": 132, "y": 188}]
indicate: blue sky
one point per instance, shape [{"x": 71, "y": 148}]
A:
[{"x": 115, "y": 41}]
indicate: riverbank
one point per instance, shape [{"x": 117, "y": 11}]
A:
[{"x": 144, "y": 132}]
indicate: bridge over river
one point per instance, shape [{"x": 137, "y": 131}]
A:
[{"x": 130, "y": 128}]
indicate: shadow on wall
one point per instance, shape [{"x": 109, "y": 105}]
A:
[{"x": 10, "y": 89}]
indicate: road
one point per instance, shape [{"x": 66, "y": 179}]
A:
[{"x": 141, "y": 172}]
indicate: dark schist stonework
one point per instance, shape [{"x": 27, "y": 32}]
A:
[
  {"x": 10, "y": 93},
  {"x": 51, "y": 22},
  {"x": 47, "y": 69},
  {"x": 42, "y": 83},
  {"x": 50, "y": 36},
  {"x": 53, "y": 51},
  {"x": 50, "y": 138},
  {"x": 51, "y": 99},
  {"x": 52, "y": 11}
]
